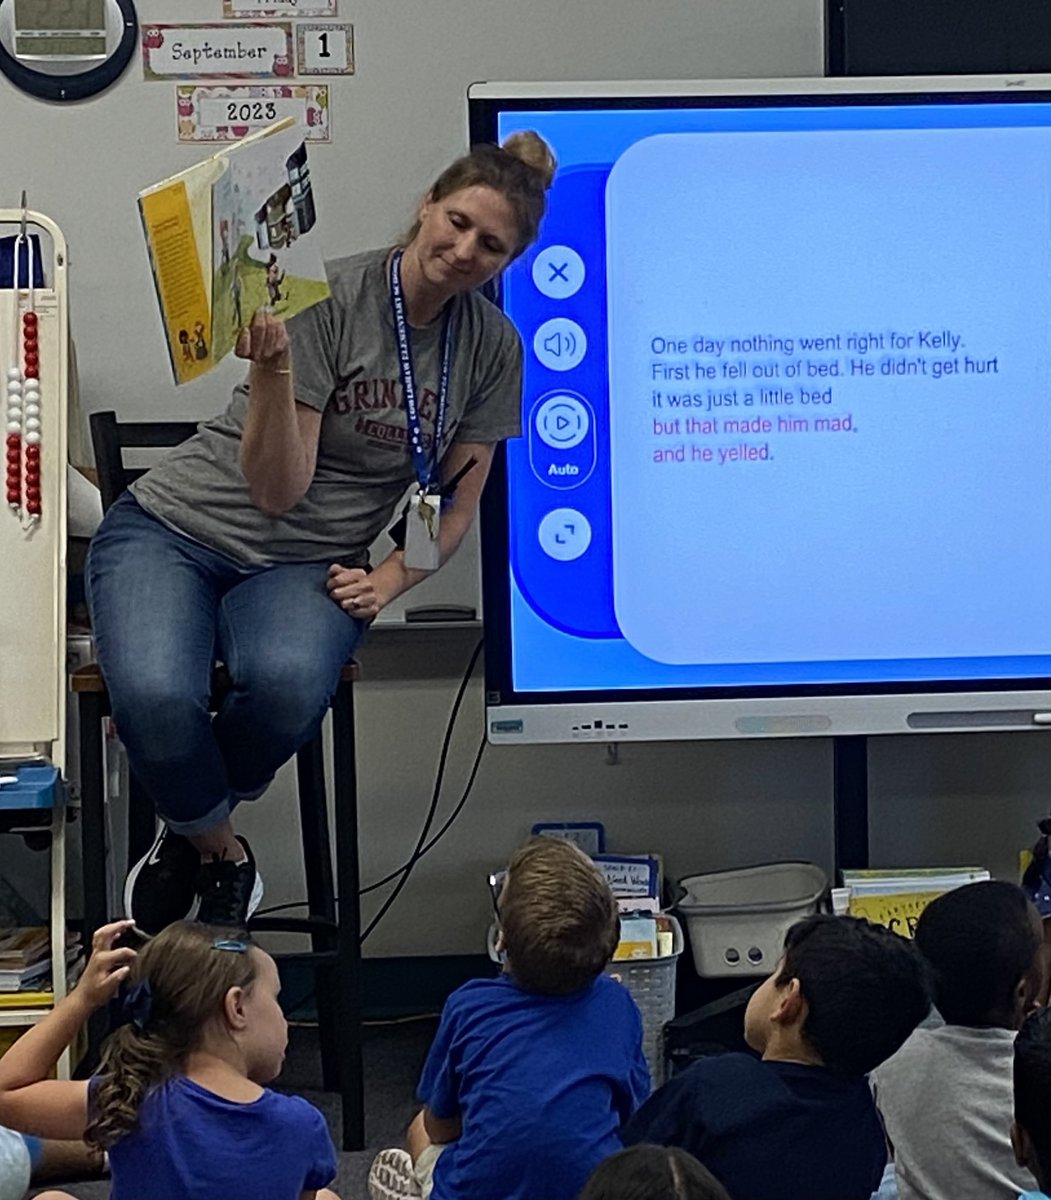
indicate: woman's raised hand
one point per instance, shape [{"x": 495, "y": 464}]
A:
[{"x": 265, "y": 342}]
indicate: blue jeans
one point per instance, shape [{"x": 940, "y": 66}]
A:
[{"x": 164, "y": 609}]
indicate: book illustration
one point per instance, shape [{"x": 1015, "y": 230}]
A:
[
  {"x": 228, "y": 236},
  {"x": 900, "y": 912},
  {"x": 638, "y": 938},
  {"x": 896, "y": 898}
]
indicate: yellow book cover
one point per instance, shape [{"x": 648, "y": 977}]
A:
[
  {"x": 229, "y": 235},
  {"x": 638, "y": 938},
  {"x": 899, "y": 911},
  {"x": 26, "y": 999}
]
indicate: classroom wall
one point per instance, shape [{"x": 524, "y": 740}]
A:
[{"x": 704, "y": 806}]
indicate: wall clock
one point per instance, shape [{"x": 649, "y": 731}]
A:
[{"x": 66, "y": 49}]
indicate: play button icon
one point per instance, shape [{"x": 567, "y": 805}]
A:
[{"x": 562, "y": 421}]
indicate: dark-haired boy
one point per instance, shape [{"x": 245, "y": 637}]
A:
[
  {"x": 945, "y": 1097},
  {"x": 800, "y": 1122},
  {"x": 532, "y": 1075},
  {"x": 1031, "y": 1129}
]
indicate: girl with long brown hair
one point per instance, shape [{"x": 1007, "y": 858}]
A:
[{"x": 179, "y": 1100}]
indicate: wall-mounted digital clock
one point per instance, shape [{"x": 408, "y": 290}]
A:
[{"x": 66, "y": 49}]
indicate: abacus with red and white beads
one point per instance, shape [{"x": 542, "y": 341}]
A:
[
  {"x": 23, "y": 405},
  {"x": 34, "y": 393}
]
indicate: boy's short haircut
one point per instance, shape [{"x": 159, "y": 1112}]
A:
[
  {"x": 1032, "y": 1074},
  {"x": 864, "y": 986},
  {"x": 979, "y": 940},
  {"x": 558, "y": 917}
]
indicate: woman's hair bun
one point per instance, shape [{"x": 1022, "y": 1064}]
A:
[{"x": 530, "y": 148}]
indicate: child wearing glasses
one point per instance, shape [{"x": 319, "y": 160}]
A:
[
  {"x": 531, "y": 1075},
  {"x": 179, "y": 1100}
]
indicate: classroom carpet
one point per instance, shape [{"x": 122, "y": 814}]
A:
[{"x": 393, "y": 1055}]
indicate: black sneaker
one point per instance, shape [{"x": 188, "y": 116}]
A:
[
  {"x": 161, "y": 886},
  {"x": 229, "y": 892}
]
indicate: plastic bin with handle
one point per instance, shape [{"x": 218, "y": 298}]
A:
[{"x": 737, "y": 920}]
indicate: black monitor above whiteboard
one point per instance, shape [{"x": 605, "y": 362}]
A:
[
  {"x": 937, "y": 37},
  {"x": 786, "y": 455}
]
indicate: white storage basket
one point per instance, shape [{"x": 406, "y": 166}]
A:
[
  {"x": 738, "y": 919},
  {"x": 651, "y": 982}
]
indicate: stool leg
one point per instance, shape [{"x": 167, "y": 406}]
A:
[
  {"x": 348, "y": 968},
  {"x": 93, "y": 845},
  {"x": 321, "y": 898},
  {"x": 92, "y": 814},
  {"x": 142, "y": 820}
]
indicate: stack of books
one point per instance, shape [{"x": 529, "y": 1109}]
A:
[
  {"x": 25, "y": 957},
  {"x": 896, "y": 898},
  {"x": 636, "y": 881}
]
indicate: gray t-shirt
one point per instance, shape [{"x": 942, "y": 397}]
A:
[
  {"x": 947, "y": 1106},
  {"x": 345, "y": 365}
]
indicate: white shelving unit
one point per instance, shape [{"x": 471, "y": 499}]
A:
[{"x": 33, "y": 569}]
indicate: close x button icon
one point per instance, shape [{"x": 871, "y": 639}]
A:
[{"x": 558, "y": 272}]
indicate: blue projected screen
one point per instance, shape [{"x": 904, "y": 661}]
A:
[{"x": 786, "y": 418}]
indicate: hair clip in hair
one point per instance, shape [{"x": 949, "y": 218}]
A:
[
  {"x": 230, "y": 944},
  {"x": 136, "y": 1004}
]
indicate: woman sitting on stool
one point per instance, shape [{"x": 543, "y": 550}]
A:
[{"x": 249, "y": 542}]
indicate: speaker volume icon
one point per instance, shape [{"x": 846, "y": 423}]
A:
[{"x": 560, "y": 344}]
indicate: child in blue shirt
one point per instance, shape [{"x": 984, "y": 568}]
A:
[
  {"x": 799, "y": 1122},
  {"x": 178, "y": 1101},
  {"x": 1031, "y": 1131},
  {"x": 531, "y": 1075}
]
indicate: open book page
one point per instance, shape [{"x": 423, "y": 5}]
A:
[
  {"x": 266, "y": 246},
  {"x": 228, "y": 235},
  {"x": 177, "y": 220}
]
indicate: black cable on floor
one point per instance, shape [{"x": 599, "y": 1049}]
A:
[
  {"x": 450, "y": 820},
  {"x": 419, "y": 850},
  {"x": 441, "y": 832},
  {"x": 423, "y": 845}
]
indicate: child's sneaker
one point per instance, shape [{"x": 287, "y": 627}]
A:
[{"x": 391, "y": 1176}]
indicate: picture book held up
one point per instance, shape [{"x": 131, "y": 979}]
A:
[{"x": 230, "y": 235}]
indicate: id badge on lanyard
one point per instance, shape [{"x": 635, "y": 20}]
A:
[{"x": 423, "y": 518}]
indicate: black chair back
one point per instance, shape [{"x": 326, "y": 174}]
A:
[{"x": 110, "y": 438}]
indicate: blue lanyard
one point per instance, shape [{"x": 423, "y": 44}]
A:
[{"x": 426, "y": 472}]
